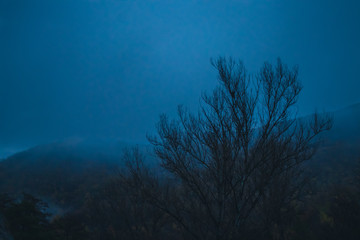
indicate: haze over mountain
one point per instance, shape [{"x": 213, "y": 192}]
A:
[
  {"x": 64, "y": 171},
  {"x": 346, "y": 124}
]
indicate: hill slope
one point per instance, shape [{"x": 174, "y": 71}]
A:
[
  {"x": 61, "y": 172},
  {"x": 64, "y": 172}
]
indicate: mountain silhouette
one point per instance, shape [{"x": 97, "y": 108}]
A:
[{"x": 64, "y": 172}]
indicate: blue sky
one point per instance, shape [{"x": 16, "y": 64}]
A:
[{"x": 92, "y": 68}]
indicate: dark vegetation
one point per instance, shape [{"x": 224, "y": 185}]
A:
[{"x": 243, "y": 167}]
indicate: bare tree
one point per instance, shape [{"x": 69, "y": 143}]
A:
[{"x": 225, "y": 161}]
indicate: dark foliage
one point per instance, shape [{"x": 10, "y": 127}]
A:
[{"x": 25, "y": 218}]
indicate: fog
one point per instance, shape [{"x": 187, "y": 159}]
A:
[{"x": 107, "y": 69}]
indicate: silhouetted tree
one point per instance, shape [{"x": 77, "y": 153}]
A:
[{"x": 241, "y": 154}]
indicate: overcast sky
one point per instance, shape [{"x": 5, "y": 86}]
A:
[{"x": 107, "y": 68}]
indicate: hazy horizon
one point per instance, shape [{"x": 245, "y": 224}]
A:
[{"x": 108, "y": 69}]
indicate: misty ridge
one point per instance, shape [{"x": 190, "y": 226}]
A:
[{"x": 244, "y": 166}]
